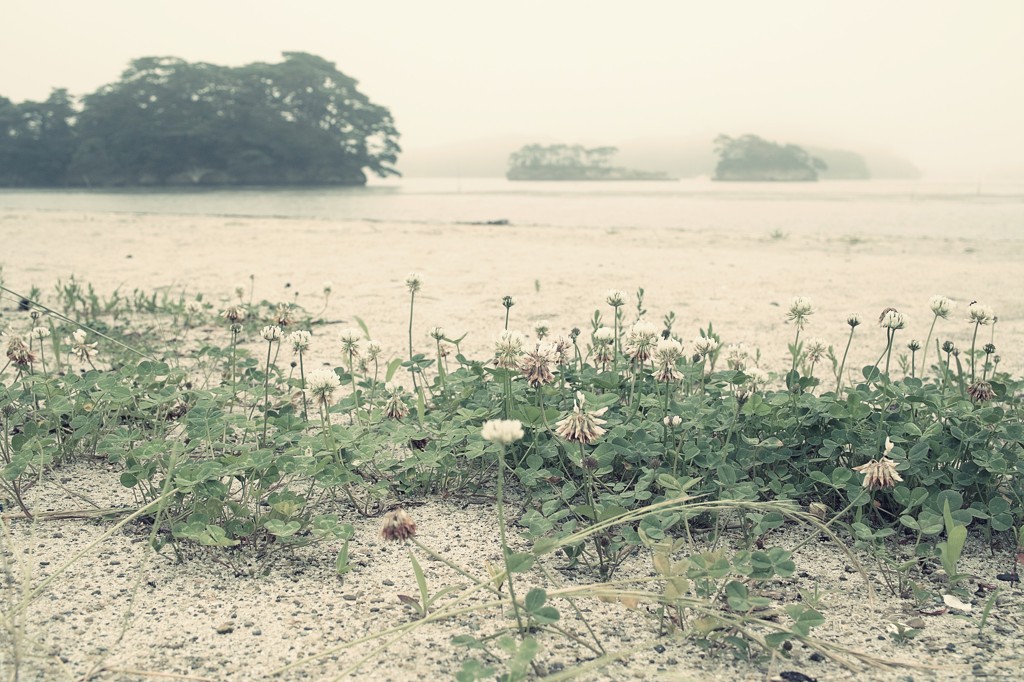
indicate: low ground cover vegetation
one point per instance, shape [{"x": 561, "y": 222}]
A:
[{"x": 624, "y": 437}]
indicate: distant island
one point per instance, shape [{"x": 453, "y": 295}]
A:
[
  {"x": 752, "y": 159},
  {"x": 571, "y": 162},
  {"x": 168, "y": 122}
]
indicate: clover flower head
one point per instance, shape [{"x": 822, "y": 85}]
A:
[
  {"x": 816, "y": 348},
  {"x": 757, "y": 378},
  {"x": 414, "y": 281},
  {"x": 941, "y": 306},
  {"x": 41, "y": 332},
  {"x": 397, "y": 526},
  {"x": 321, "y": 385},
  {"x": 18, "y": 352},
  {"x": 672, "y": 421},
  {"x": 373, "y": 351},
  {"x": 981, "y": 391},
  {"x": 879, "y": 474},
  {"x": 394, "y": 405},
  {"x": 800, "y": 308},
  {"x": 704, "y": 345},
  {"x": 542, "y": 328},
  {"x": 581, "y": 426},
  {"x": 271, "y": 333},
  {"x": 640, "y": 341},
  {"x": 508, "y": 301},
  {"x": 914, "y": 345},
  {"x": 349, "y": 337},
  {"x": 327, "y": 287},
  {"x": 616, "y": 297},
  {"x": 300, "y": 340},
  {"x": 981, "y": 314},
  {"x": 604, "y": 335},
  {"x": 535, "y": 365},
  {"x": 436, "y": 333},
  {"x": 504, "y": 431},
  {"x": 507, "y": 349},
  {"x": 736, "y": 356},
  {"x": 562, "y": 346},
  {"x": 82, "y": 350},
  {"x": 853, "y": 319},
  {"x": 892, "y": 319},
  {"x": 234, "y": 314},
  {"x": 284, "y": 314}
]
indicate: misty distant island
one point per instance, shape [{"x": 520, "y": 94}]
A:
[
  {"x": 752, "y": 159},
  {"x": 560, "y": 162},
  {"x": 168, "y": 122}
]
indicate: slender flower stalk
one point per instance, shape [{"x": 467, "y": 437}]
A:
[
  {"x": 507, "y": 302},
  {"x": 270, "y": 334},
  {"x": 853, "y": 320},
  {"x": 941, "y": 307},
  {"x": 800, "y": 308},
  {"x": 300, "y": 341},
  {"x": 504, "y": 432},
  {"x": 414, "y": 282},
  {"x": 616, "y": 298},
  {"x": 350, "y": 347},
  {"x": 978, "y": 315}
]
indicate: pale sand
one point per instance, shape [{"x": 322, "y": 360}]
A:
[{"x": 742, "y": 282}]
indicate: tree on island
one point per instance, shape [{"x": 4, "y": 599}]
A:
[
  {"x": 750, "y": 158},
  {"x": 36, "y": 140},
  {"x": 171, "y": 122},
  {"x": 570, "y": 162}
]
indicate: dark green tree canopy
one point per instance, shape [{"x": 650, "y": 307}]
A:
[
  {"x": 751, "y": 158},
  {"x": 171, "y": 122}
]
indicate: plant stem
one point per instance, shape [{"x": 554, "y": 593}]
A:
[
  {"x": 842, "y": 365},
  {"x": 266, "y": 394},
  {"x": 974, "y": 340},
  {"x": 924, "y": 355},
  {"x": 501, "y": 531}
]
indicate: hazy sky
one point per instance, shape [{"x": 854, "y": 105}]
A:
[{"x": 939, "y": 82}]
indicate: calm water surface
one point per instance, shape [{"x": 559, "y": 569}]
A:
[{"x": 954, "y": 210}]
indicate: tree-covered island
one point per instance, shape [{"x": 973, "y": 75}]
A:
[
  {"x": 168, "y": 122},
  {"x": 571, "y": 162},
  {"x": 752, "y": 159}
]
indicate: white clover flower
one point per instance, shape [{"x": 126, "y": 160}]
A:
[
  {"x": 736, "y": 356},
  {"x": 234, "y": 314},
  {"x": 981, "y": 314},
  {"x": 373, "y": 351},
  {"x": 941, "y": 306},
  {"x": 615, "y": 297},
  {"x": 640, "y": 341},
  {"x": 507, "y": 349},
  {"x": 892, "y": 319},
  {"x": 800, "y": 308},
  {"x": 349, "y": 338},
  {"x": 562, "y": 345},
  {"x": 604, "y": 335},
  {"x": 816, "y": 348},
  {"x": 672, "y": 421},
  {"x": 508, "y": 301},
  {"x": 581, "y": 426},
  {"x": 853, "y": 319},
  {"x": 535, "y": 365},
  {"x": 193, "y": 307},
  {"x": 542, "y": 328},
  {"x": 437, "y": 333},
  {"x": 888, "y": 446},
  {"x": 40, "y": 332},
  {"x": 503, "y": 431},
  {"x": 414, "y": 281},
  {"x": 84, "y": 351},
  {"x": 321, "y": 384},
  {"x": 757, "y": 377},
  {"x": 270, "y": 333},
  {"x": 704, "y": 346},
  {"x": 300, "y": 340},
  {"x": 78, "y": 336}
]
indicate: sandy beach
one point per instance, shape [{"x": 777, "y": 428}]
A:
[
  {"x": 197, "y": 620},
  {"x": 740, "y": 282}
]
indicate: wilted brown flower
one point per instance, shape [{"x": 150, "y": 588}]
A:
[
  {"x": 397, "y": 526},
  {"x": 580, "y": 426},
  {"x": 283, "y": 315},
  {"x": 981, "y": 391},
  {"x": 18, "y": 353},
  {"x": 234, "y": 313},
  {"x": 879, "y": 474},
  {"x": 395, "y": 407},
  {"x": 535, "y": 365}
]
